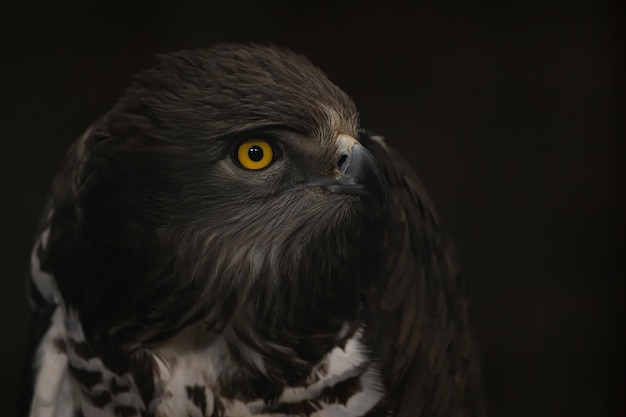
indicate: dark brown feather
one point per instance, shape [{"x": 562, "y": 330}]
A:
[{"x": 421, "y": 332}]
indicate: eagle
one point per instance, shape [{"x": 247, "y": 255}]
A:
[{"x": 228, "y": 240}]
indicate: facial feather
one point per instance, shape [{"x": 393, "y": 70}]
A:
[{"x": 176, "y": 231}]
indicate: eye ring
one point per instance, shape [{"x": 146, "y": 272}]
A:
[{"x": 255, "y": 154}]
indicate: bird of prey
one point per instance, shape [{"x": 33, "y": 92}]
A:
[{"x": 228, "y": 240}]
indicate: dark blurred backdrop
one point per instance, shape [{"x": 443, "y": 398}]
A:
[{"x": 511, "y": 113}]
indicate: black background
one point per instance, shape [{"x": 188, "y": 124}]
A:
[{"x": 510, "y": 112}]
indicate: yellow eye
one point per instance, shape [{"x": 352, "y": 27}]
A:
[{"x": 255, "y": 154}]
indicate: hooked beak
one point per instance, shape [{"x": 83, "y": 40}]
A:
[{"x": 357, "y": 173}]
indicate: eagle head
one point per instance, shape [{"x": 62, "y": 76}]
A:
[{"x": 228, "y": 184}]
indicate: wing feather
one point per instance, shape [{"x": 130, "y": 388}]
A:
[{"x": 420, "y": 328}]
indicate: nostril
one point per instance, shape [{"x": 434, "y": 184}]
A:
[{"x": 343, "y": 162}]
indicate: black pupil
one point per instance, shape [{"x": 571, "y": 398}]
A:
[{"x": 255, "y": 153}]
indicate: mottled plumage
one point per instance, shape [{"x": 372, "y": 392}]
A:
[{"x": 171, "y": 280}]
